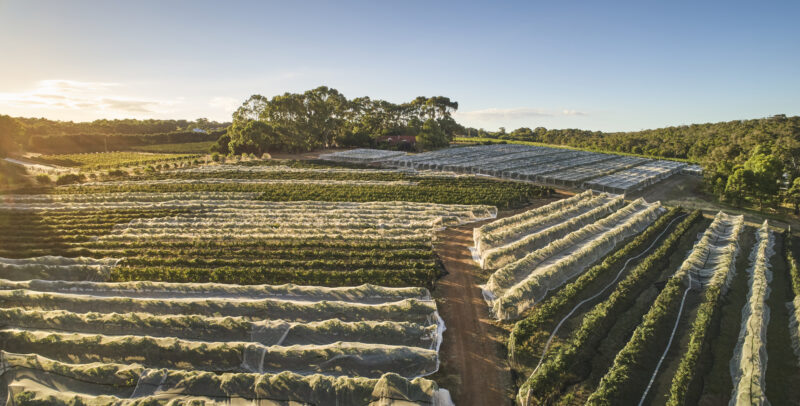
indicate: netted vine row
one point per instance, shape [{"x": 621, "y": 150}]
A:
[
  {"x": 517, "y": 286},
  {"x": 549, "y": 377},
  {"x": 506, "y": 230},
  {"x": 156, "y": 386},
  {"x": 749, "y": 363},
  {"x": 794, "y": 305},
  {"x": 540, "y": 237},
  {"x": 711, "y": 258},
  {"x": 546, "y": 310}
]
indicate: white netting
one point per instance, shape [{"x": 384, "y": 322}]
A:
[
  {"x": 504, "y": 230},
  {"x": 338, "y": 358},
  {"x": 749, "y": 363},
  {"x": 51, "y": 382},
  {"x": 517, "y": 286},
  {"x": 408, "y": 310},
  {"x": 794, "y": 325},
  {"x": 514, "y": 272},
  {"x": 211, "y": 169},
  {"x": 225, "y": 329},
  {"x": 541, "y": 236},
  {"x": 217, "y": 181},
  {"x": 713, "y": 256},
  {"x": 55, "y": 267},
  {"x": 361, "y": 155},
  {"x": 367, "y": 294}
]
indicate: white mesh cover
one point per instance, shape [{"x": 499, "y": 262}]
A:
[
  {"x": 749, "y": 362},
  {"x": 517, "y": 286}
]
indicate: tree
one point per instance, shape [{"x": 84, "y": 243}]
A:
[
  {"x": 431, "y": 136},
  {"x": 254, "y": 137},
  {"x": 767, "y": 172},
  {"x": 793, "y": 195},
  {"x": 12, "y": 135},
  {"x": 738, "y": 186},
  {"x": 323, "y": 117},
  {"x": 221, "y": 146}
]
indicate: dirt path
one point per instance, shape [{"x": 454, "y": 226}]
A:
[{"x": 473, "y": 365}]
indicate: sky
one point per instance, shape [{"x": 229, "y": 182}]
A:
[{"x": 609, "y": 66}]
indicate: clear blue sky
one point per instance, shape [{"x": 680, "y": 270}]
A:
[{"x": 576, "y": 64}]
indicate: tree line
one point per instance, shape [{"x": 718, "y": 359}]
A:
[
  {"x": 43, "y": 126},
  {"x": 41, "y": 135},
  {"x": 323, "y": 118},
  {"x": 745, "y": 161}
]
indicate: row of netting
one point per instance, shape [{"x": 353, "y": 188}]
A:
[
  {"x": 80, "y": 316},
  {"x": 555, "y": 228},
  {"x": 216, "y": 181},
  {"x": 410, "y": 188},
  {"x": 361, "y": 155},
  {"x": 161, "y": 326},
  {"x": 554, "y": 166},
  {"x": 508, "y": 229},
  {"x": 269, "y": 329},
  {"x": 338, "y": 215},
  {"x": 575, "y": 176},
  {"x": 708, "y": 265},
  {"x": 714, "y": 279},
  {"x": 266, "y": 169},
  {"x": 517, "y": 286},
  {"x": 209, "y": 200},
  {"x": 233, "y": 241},
  {"x": 36, "y": 380},
  {"x": 635, "y": 178},
  {"x": 749, "y": 362},
  {"x": 449, "y": 156},
  {"x": 794, "y": 305},
  {"x": 552, "y": 374}
]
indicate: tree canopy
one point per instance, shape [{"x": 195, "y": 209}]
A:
[{"x": 323, "y": 117}]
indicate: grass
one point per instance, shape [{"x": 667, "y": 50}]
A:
[
  {"x": 473, "y": 140},
  {"x": 108, "y": 159},
  {"x": 182, "y": 148}
]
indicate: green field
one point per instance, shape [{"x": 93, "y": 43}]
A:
[
  {"x": 182, "y": 148},
  {"x": 100, "y": 160}
]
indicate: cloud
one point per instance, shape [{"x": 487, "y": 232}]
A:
[
  {"x": 96, "y": 97},
  {"x": 133, "y": 106},
  {"x": 495, "y": 114},
  {"x": 566, "y": 112},
  {"x": 227, "y": 104}
]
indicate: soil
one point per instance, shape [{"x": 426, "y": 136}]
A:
[{"x": 473, "y": 365}]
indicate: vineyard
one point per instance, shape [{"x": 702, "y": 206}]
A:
[
  {"x": 227, "y": 282},
  {"x": 316, "y": 283},
  {"x": 101, "y": 160},
  {"x": 617, "y": 302},
  {"x": 544, "y": 165}
]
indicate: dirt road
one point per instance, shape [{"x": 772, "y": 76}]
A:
[{"x": 473, "y": 364}]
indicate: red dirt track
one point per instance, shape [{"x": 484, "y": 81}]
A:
[{"x": 471, "y": 348}]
